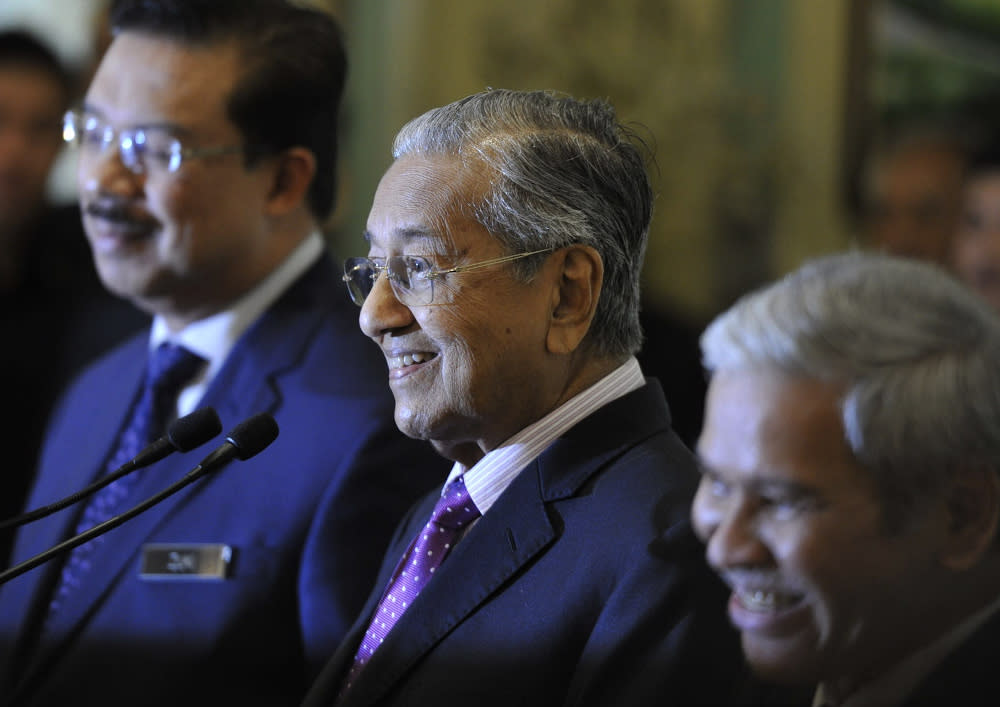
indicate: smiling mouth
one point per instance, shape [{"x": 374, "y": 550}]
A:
[
  {"x": 409, "y": 359},
  {"x": 765, "y": 601}
]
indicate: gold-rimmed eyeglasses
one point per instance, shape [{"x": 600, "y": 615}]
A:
[{"x": 412, "y": 277}]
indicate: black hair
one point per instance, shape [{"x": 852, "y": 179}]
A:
[
  {"x": 20, "y": 48},
  {"x": 295, "y": 68},
  {"x": 984, "y": 159}
]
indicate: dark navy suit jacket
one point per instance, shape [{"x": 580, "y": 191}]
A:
[
  {"x": 296, "y": 583},
  {"x": 582, "y": 585},
  {"x": 968, "y": 676}
]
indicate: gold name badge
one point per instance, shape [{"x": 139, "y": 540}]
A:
[{"x": 193, "y": 561}]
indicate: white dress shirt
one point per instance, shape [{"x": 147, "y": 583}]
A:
[{"x": 213, "y": 338}]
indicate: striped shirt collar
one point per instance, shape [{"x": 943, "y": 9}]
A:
[{"x": 492, "y": 474}]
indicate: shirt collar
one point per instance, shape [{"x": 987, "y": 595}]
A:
[
  {"x": 213, "y": 337},
  {"x": 492, "y": 474}
]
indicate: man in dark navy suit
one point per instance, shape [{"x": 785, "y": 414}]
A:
[
  {"x": 207, "y": 163},
  {"x": 851, "y": 486},
  {"x": 505, "y": 243}
]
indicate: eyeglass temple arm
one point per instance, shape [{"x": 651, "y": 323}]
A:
[{"x": 487, "y": 263}]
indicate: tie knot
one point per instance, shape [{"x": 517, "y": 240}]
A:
[
  {"x": 455, "y": 509},
  {"x": 171, "y": 366}
]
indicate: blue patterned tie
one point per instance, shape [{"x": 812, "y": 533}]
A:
[
  {"x": 168, "y": 369},
  {"x": 452, "y": 514}
]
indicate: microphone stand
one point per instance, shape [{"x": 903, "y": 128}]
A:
[
  {"x": 245, "y": 440},
  {"x": 25, "y": 518},
  {"x": 110, "y": 524}
]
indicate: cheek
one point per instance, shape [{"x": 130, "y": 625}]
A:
[
  {"x": 811, "y": 556},
  {"x": 175, "y": 202},
  {"x": 194, "y": 224},
  {"x": 704, "y": 516}
]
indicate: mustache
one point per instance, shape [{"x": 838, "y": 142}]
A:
[{"x": 117, "y": 211}]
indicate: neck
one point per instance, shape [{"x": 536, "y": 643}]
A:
[{"x": 571, "y": 383}]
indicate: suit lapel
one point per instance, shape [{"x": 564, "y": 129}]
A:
[
  {"x": 511, "y": 534},
  {"x": 28, "y": 595},
  {"x": 247, "y": 383}
]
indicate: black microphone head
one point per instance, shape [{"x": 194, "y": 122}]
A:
[
  {"x": 193, "y": 430},
  {"x": 253, "y": 435}
]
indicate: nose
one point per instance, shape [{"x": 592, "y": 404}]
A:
[
  {"x": 382, "y": 312},
  {"x": 102, "y": 171},
  {"x": 729, "y": 528}
]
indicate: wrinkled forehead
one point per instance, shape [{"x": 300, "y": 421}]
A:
[{"x": 431, "y": 198}]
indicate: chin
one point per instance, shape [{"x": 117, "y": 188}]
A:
[
  {"x": 782, "y": 665},
  {"x": 409, "y": 424}
]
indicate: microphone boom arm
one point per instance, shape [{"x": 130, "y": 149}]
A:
[{"x": 247, "y": 439}]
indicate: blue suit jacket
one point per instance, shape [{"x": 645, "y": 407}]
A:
[
  {"x": 582, "y": 585},
  {"x": 258, "y": 636}
]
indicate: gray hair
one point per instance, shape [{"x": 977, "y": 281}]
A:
[
  {"x": 562, "y": 171},
  {"x": 916, "y": 354}
]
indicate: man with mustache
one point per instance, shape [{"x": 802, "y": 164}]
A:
[
  {"x": 850, "y": 491},
  {"x": 556, "y": 565},
  {"x": 207, "y": 163}
]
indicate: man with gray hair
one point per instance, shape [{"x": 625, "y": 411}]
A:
[
  {"x": 501, "y": 283},
  {"x": 850, "y": 493}
]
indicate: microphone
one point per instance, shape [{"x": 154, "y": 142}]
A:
[
  {"x": 183, "y": 435},
  {"x": 247, "y": 439}
]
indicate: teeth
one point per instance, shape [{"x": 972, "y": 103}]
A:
[
  {"x": 760, "y": 600},
  {"x": 409, "y": 359}
]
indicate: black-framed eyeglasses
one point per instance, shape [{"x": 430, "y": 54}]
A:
[
  {"x": 142, "y": 150},
  {"x": 412, "y": 277}
]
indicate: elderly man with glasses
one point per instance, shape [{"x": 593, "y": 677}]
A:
[
  {"x": 207, "y": 161},
  {"x": 556, "y": 565}
]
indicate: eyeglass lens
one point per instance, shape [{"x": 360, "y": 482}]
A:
[{"x": 406, "y": 274}]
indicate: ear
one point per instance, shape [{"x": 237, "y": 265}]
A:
[
  {"x": 293, "y": 173},
  {"x": 574, "y": 299},
  {"x": 973, "y": 508}
]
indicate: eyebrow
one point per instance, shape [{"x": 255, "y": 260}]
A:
[
  {"x": 410, "y": 234},
  {"x": 759, "y": 485}
]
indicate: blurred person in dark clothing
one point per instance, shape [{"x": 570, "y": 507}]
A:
[
  {"x": 912, "y": 194},
  {"x": 975, "y": 253},
  {"x": 54, "y": 313}
]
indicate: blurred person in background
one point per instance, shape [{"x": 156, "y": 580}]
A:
[
  {"x": 912, "y": 194},
  {"x": 976, "y": 248},
  {"x": 54, "y": 313}
]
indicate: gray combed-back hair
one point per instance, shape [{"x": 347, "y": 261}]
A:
[
  {"x": 917, "y": 356},
  {"x": 562, "y": 171}
]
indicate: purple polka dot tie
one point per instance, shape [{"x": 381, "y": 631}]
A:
[
  {"x": 451, "y": 515},
  {"x": 167, "y": 370}
]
